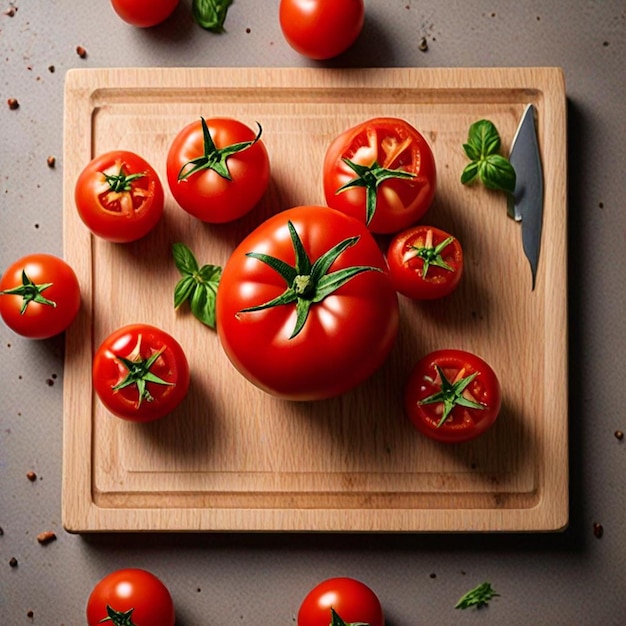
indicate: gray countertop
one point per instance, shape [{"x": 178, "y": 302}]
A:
[{"x": 572, "y": 577}]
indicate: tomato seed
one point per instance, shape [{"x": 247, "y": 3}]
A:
[
  {"x": 31, "y": 476},
  {"x": 13, "y": 104},
  {"x": 619, "y": 434},
  {"x": 46, "y": 537},
  {"x": 51, "y": 161},
  {"x": 81, "y": 52},
  {"x": 598, "y": 530}
]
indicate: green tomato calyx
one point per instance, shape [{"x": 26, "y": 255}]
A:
[
  {"x": 30, "y": 292},
  {"x": 214, "y": 158},
  {"x": 336, "y": 620},
  {"x": 430, "y": 255},
  {"x": 308, "y": 283},
  {"x": 371, "y": 177},
  {"x": 118, "y": 618},
  {"x": 451, "y": 394}
]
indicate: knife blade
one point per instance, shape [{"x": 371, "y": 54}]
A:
[{"x": 525, "y": 205}]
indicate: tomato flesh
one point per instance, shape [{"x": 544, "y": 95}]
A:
[
  {"x": 389, "y": 143},
  {"x": 425, "y": 262},
  {"x": 347, "y": 335},
  {"x": 119, "y": 196},
  {"x": 463, "y": 422},
  {"x": 124, "y": 353}
]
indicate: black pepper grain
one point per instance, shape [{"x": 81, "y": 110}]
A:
[
  {"x": 81, "y": 52},
  {"x": 31, "y": 476},
  {"x": 13, "y": 104},
  {"x": 13, "y": 562},
  {"x": 51, "y": 161},
  {"x": 619, "y": 435},
  {"x": 598, "y": 530}
]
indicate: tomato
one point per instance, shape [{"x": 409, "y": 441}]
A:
[
  {"x": 353, "y": 601},
  {"x": 305, "y": 308},
  {"x": 119, "y": 196},
  {"x": 129, "y": 597},
  {"x": 144, "y": 13},
  {"x": 218, "y": 169},
  {"x": 39, "y": 296},
  {"x": 140, "y": 373},
  {"x": 452, "y": 396},
  {"x": 381, "y": 171},
  {"x": 425, "y": 262},
  {"x": 321, "y": 29}
]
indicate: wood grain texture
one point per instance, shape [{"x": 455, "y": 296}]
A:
[{"x": 234, "y": 458}]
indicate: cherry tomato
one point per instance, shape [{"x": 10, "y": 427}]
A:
[
  {"x": 305, "y": 308},
  {"x": 119, "y": 196},
  {"x": 218, "y": 169},
  {"x": 452, "y": 396},
  {"x": 425, "y": 262},
  {"x": 144, "y": 13},
  {"x": 130, "y": 597},
  {"x": 321, "y": 29},
  {"x": 353, "y": 602},
  {"x": 381, "y": 171},
  {"x": 140, "y": 373},
  {"x": 39, "y": 296}
]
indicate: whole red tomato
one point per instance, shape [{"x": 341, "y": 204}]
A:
[
  {"x": 351, "y": 600},
  {"x": 144, "y": 13},
  {"x": 39, "y": 296},
  {"x": 218, "y": 169},
  {"x": 119, "y": 196},
  {"x": 381, "y": 171},
  {"x": 140, "y": 373},
  {"x": 425, "y": 262},
  {"x": 452, "y": 396},
  {"x": 130, "y": 597},
  {"x": 321, "y": 29},
  {"x": 305, "y": 308}
]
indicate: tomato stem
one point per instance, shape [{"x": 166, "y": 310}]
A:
[{"x": 30, "y": 292}]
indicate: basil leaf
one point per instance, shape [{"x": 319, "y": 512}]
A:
[
  {"x": 210, "y": 14},
  {"x": 482, "y": 148},
  {"x": 198, "y": 285}
]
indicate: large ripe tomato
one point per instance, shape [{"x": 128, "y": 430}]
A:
[
  {"x": 119, "y": 196},
  {"x": 321, "y": 29},
  {"x": 381, "y": 171},
  {"x": 140, "y": 373},
  {"x": 452, "y": 396},
  {"x": 425, "y": 262},
  {"x": 218, "y": 169},
  {"x": 130, "y": 597},
  {"x": 39, "y": 296},
  {"x": 351, "y": 600},
  {"x": 305, "y": 307},
  {"x": 144, "y": 13}
]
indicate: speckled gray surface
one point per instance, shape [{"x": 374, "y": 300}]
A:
[{"x": 569, "y": 578}]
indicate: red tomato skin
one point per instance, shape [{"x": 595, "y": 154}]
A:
[
  {"x": 206, "y": 195},
  {"x": 353, "y": 601},
  {"x": 400, "y": 203},
  {"x": 118, "y": 226},
  {"x": 144, "y": 13},
  {"x": 407, "y": 275},
  {"x": 171, "y": 367},
  {"x": 347, "y": 336},
  {"x": 131, "y": 588},
  {"x": 321, "y": 29},
  {"x": 466, "y": 424},
  {"x": 41, "y": 321}
]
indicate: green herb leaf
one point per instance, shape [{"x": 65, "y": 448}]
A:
[
  {"x": 210, "y": 14},
  {"x": 198, "y": 285},
  {"x": 479, "y": 596},
  {"x": 494, "y": 170}
]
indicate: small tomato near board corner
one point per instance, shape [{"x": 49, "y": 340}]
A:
[
  {"x": 305, "y": 309},
  {"x": 130, "y": 596},
  {"x": 39, "y": 296},
  {"x": 218, "y": 169},
  {"x": 144, "y": 13},
  {"x": 119, "y": 196},
  {"x": 452, "y": 396},
  {"x": 321, "y": 29},
  {"x": 382, "y": 172},
  {"x": 341, "y": 601},
  {"x": 140, "y": 373},
  {"x": 425, "y": 262}
]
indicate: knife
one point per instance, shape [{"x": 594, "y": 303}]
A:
[{"x": 525, "y": 205}]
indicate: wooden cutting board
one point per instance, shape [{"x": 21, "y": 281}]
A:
[{"x": 234, "y": 458}]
